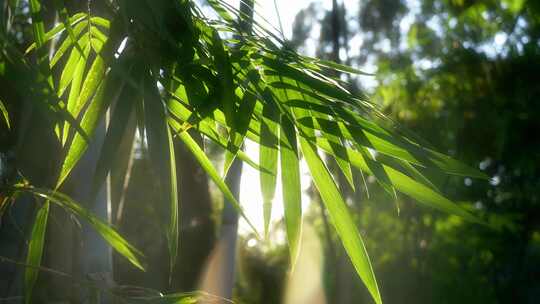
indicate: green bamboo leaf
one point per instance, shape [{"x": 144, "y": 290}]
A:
[
  {"x": 204, "y": 127},
  {"x": 226, "y": 82},
  {"x": 91, "y": 83},
  {"x": 62, "y": 11},
  {"x": 89, "y": 123},
  {"x": 96, "y": 33},
  {"x": 107, "y": 232},
  {"x": 245, "y": 112},
  {"x": 292, "y": 193},
  {"x": 405, "y": 184},
  {"x": 101, "y": 22},
  {"x": 268, "y": 157},
  {"x": 341, "y": 67},
  {"x": 321, "y": 86},
  {"x": 391, "y": 145},
  {"x": 68, "y": 42},
  {"x": 5, "y": 114},
  {"x": 223, "y": 13},
  {"x": 337, "y": 140},
  {"x": 70, "y": 69},
  {"x": 56, "y": 30},
  {"x": 74, "y": 91},
  {"x": 206, "y": 164},
  {"x": 35, "y": 251},
  {"x": 341, "y": 218},
  {"x": 38, "y": 27}
]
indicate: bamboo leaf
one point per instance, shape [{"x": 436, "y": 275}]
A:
[
  {"x": 76, "y": 82},
  {"x": 341, "y": 218},
  {"x": 5, "y": 114},
  {"x": 72, "y": 67},
  {"x": 341, "y": 67},
  {"x": 108, "y": 233},
  {"x": 91, "y": 83},
  {"x": 268, "y": 157},
  {"x": 403, "y": 183},
  {"x": 56, "y": 30},
  {"x": 206, "y": 164},
  {"x": 290, "y": 180},
  {"x": 38, "y": 27},
  {"x": 245, "y": 112},
  {"x": 225, "y": 78},
  {"x": 35, "y": 251},
  {"x": 68, "y": 42},
  {"x": 89, "y": 123}
]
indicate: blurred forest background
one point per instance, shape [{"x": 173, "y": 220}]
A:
[{"x": 465, "y": 76}]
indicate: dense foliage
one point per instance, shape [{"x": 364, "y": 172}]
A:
[{"x": 181, "y": 74}]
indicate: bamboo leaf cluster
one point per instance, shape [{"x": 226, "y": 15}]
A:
[{"x": 173, "y": 69}]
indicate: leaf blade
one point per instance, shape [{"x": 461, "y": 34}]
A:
[
  {"x": 341, "y": 218},
  {"x": 290, "y": 180}
]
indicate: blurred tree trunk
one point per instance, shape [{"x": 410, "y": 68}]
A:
[
  {"x": 219, "y": 276},
  {"x": 196, "y": 224}
]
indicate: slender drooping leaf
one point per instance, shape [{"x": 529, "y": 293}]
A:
[
  {"x": 403, "y": 183},
  {"x": 245, "y": 112},
  {"x": 268, "y": 158},
  {"x": 93, "y": 80},
  {"x": 107, "y": 232},
  {"x": 5, "y": 114},
  {"x": 38, "y": 29},
  {"x": 89, "y": 123},
  {"x": 55, "y": 31},
  {"x": 35, "y": 250},
  {"x": 341, "y": 218},
  {"x": 292, "y": 192},
  {"x": 75, "y": 89},
  {"x": 68, "y": 43},
  {"x": 71, "y": 68},
  {"x": 206, "y": 164}
]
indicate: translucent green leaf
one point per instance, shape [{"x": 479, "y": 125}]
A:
[
  {"x": 341, "y": 67},
  {"x": 225, "y": 78},
  {"x": 89, "y": 122},
  {"x": 68, "y": 42},
  {"x": 35, "y": 250},
  {"x": 405, "y": 184},
  {"x": 101, "y": 22},
  {"x": 70, "y": 69},
  {"x": 91, "y": 83},
  {"x": 292, "y": 192},
  {"x": 268, "y": 158},
  {"x": 74, "y": 91},
  {"x": 56, "y": 30},
  {"x": 341, "y": 218},
  {"x": 107, "y": 232},
  {"x": 245, "y": 112}
]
